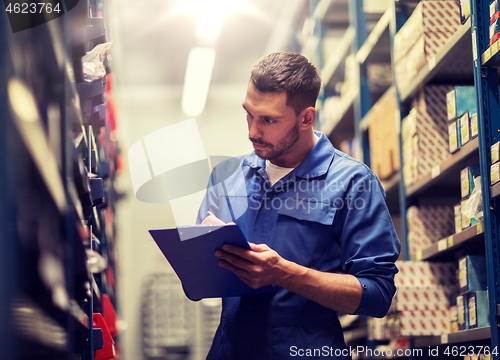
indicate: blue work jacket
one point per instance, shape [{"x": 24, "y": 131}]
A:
[{"x": 328, "y": 214}]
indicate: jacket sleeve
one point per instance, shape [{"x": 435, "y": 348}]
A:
[{"x": 370, "y": 245}]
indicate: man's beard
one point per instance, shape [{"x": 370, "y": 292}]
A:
[{"x": 273, "y": 152}]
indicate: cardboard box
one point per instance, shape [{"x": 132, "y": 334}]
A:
[
  {"x": 433, "y": 297},
  {"x": 462, "y": 313},
  {"x": 384, "y": 140},
  {"x": 495, "y": 152},
  {"x": 453, "y": 136},
  {"x": 424, "y": 33},
  {"x": 478, "y": 309},
  {"x": 460, "y": 100},
  {"x": 494, "y": 31},
  {"x": 464, "y": 129},
  {"x": 427, "y": 127},
  {"x": 472, "y": 273},
  {"x": 457, "y": 209},
  {"x": 467, "y": 176},
  {"x": 424, "y": 322},
  {"x": 425, "y": 273},
  {"x": 466, "y": 221},
  {"x": 495, "y": 173},
  {"x": 474, "y": 129},
  {"x": 464, "y": 10},
  {"x": 428, "y": 224},
  {"x": 453, "y": 316},
  {"x": 494, "y": 11}
]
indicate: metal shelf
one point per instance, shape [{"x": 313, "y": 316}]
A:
[
  {"x": 373, "y": 48},
  {"x": 332, "y": 71},
  {"x": 365, "y": 122},
  {"x": 446, "y": 247},
  {"x": 459, "y": 337},
  {"x": 441, "y": 67},
  {"x": 343, "y": 124},
  {"x": 491, "y": 57},
  {"x": 440, "y": 174},
  {"x": 495, "y": 191}
]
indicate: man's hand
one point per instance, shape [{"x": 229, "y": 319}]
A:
[
  {"x": 263, "y": 266},
  {"x": 258, "y": 268}
]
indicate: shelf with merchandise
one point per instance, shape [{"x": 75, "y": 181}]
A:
[
  {"x": 339, "y": 72},
  {"x": 444, "y": 250},
  {"x": 460, "y": 337},
  {"x": 447, "y": 173},
  {"x": 451, "y": 65},
  {"x": 491, "y": 57},
  {"x": 495, "y": 191}
]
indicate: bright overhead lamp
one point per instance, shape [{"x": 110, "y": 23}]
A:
[
  {"x": 197, "y": 80},
  {"x": 210, "y": 16}
]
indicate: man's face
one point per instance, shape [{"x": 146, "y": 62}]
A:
[{"x": 273, "y": 127}]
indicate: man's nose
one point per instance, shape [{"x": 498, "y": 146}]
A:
[{"x": 254, "y": 129}]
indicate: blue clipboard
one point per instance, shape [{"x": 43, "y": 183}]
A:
[{"x": 195, "y": 264}]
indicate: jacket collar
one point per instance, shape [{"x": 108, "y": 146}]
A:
[{"x": 315, "y": 164}]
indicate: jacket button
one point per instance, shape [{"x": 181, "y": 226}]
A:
[
  {"x": 362, "y": 309},
  {"x": 289, "y": 176},
  {"x": 364, "y": 286}
]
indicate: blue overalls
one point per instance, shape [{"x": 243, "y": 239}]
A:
[{"x": 328, "y": 214}]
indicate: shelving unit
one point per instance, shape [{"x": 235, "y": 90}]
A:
[
  {"x": 465, "y": 59},
  {"x": 58, "y": 166}
]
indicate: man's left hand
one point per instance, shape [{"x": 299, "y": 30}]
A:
[{"x": 258, "y": 268}]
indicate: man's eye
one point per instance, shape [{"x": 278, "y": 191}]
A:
[{"x": 269, "y": 121}]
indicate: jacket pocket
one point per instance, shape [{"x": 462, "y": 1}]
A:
[{"x": 308, "y": 209}]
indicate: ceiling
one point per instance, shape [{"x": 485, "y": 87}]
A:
[{"x": 155, "y": 39}]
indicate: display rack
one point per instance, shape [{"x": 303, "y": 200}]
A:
[
  {"x": 466, "y": 59},
  {"x": 58, "y": 166}
]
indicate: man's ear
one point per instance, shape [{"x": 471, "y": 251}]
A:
[{"x": 308, "y": 117}]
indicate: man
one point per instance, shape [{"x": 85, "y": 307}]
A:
[{"x": 316, "y": 220}]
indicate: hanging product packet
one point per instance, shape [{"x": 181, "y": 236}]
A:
[{"x": 93, "y": 62}]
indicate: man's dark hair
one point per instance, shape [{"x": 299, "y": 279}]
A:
[{"x": 290, "y": 72}]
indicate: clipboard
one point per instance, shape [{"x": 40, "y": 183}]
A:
[{"x": 195, "y": 264}]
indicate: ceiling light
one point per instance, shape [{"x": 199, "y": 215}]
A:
[
  {"x": 197, "y": 80},
  {"x": 210, "y": 16}
]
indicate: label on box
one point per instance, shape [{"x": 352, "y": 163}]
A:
[
  {"x": 462, "y": 272},
  {"x": 495, "y": 173},
  {"x": 474, "y": 131},
  {"x": 465, "y": 219},
  {"x": 464, "y": 128},
  {"x": 458, "y": 218},
  {"x": 461, "y": 313},
  {"x": 495, "y": 152},
  {"x": 464, "y": 181},
  {"x": 472, "y": 312},
  {"x": 453, "y": 137},
  {"x": 450, "y": 105}
]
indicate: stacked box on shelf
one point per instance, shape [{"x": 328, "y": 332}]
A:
[
  {"x": 421, "y": 300},
  {"x": 495, "y": 167},
  {"x": 428, "y": 224},
  {"x": 494, "y": 21},
  {"x": 468, "y": 178},
  {"x": 462, "y": 126},
  {"x": 472, "y": 303},
  {"x": 478, "y": 309},
  {"x": 464, "y": 10},
  {"x": 425, "y": 32},
  {"x": 462, "y": 313},
  {"x": 384, "y": 142},
  {"x": 425, "y": 133}
]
